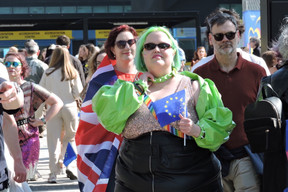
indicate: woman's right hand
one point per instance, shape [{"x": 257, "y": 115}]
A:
[{"x": 146, "y": 76}]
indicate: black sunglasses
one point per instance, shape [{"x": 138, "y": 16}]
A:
[
  {"x": 220, "y": 36},
  {"x": 122, "y": 44},
  {"x": 151, "y": 46},
  {"x": 13, "y": 64}
]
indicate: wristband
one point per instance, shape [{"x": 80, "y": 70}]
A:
[
  {"x": 140, "y": 86},
  {"x": 43, "y": 120},
  {"x": 139, "y": 89},
  {"x": 202, "y": 132}
]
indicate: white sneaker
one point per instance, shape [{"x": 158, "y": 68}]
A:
[{"x": 52, "y": 178}]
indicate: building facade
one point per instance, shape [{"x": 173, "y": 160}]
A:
[{"x": 90, "y": 20}]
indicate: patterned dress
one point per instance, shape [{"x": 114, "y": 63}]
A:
[{"x": 34, "y": 96}]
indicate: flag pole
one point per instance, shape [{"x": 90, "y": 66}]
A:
[{"x": 185, "y": 110}]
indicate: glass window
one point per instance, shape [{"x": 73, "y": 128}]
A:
[
  {"x": 127, "y": 8},
  {"x": 20, "y": 10},
  {"x": 115, "y": 9},
  {"x": 36, "y": 10},
  {"x": 51, "y": 10},
  {"x": 69, "y": 9},
  {"x": 236, "y": 7},
  {"x": 188, "y": 45},
  {"x": 84, "y": 9},
  {"x": 100, "y": 9},
  {"x": 5, "y": 10}
]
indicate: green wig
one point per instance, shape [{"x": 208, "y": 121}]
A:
[{"x": 139, "y": 61}]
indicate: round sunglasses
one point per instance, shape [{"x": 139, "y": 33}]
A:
[
  {"x": 13, "y": 64},
  {"x": 151, "y": 46},
  {"x": 220, "y": 36},
  {"x": 122, "y": 43}
]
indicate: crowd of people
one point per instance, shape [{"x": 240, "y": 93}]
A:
[{"x": 137, "y": 116}]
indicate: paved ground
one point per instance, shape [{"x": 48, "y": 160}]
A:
[{"x": 63, "y": 184}]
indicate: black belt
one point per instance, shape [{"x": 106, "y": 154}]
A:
[{"x": 22, "y": 122}]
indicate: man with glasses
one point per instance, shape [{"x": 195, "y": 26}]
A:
[
  {"x": 238, "y": 81},
  {"x": 246, "y": 56}
]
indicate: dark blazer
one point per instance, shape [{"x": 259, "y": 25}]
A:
[{"x": 275, "y": 163}]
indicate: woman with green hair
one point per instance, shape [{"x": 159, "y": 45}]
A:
[{"x": 171, "y": 123}]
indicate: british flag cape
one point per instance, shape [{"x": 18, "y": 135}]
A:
[{"x": 97, "y": 148}]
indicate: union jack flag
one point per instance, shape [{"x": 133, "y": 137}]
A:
[{"x": 97, "y": 148}]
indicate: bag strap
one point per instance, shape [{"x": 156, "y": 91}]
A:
[{"x": 267, "y": 89}]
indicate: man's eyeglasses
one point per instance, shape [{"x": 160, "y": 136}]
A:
[
  {"x": 220, "y": 36},
  {"x": 13, "y": 64},
  {"x": 122, "y": 44},
  {"x": 151, "y": 46}
]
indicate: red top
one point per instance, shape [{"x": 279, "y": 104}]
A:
[{"x": 238, "y": 88}]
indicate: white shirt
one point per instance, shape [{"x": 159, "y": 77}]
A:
[
  {"x": 4, "y": 72},
  {"x": 245, "y": 55}
]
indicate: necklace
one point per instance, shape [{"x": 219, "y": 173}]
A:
[{"x": 165, "y": 77}]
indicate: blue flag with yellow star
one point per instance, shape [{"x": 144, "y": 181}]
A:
[
  {"x": 70, "y": 155},
  {"x": 168, "y": 108}
]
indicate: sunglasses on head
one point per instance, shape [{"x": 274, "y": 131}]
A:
[
  {"x": 151, "y": 46},
  {"x": 220, "y": 36},
  {"x": 13, "y": 64},
  {"x": 122, "y": 44}
]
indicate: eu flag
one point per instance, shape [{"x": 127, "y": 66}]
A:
[
  {"x": 70, "y": 155},
  {"x": 168, "y": 108}
]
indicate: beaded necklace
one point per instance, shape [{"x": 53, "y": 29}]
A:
[{"x": 165, "y": 77}]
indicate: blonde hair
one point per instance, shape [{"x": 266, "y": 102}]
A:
[{"x": 60, "y": 58}]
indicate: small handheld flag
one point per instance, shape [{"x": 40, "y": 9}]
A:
[
  {"x": 168, "y": 108},
  {"x": 70, "y": 155}
]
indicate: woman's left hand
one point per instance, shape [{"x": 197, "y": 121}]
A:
[
  {"x": 35, "y": 122},
  {"x": 187, "y": 127}
]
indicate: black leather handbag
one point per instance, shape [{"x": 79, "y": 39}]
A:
[{"x": 263, "y": 122}]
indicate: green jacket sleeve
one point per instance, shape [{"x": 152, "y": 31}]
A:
[
  {"x": 114, "y": 104},
  {"x": 215, "y": 120}
]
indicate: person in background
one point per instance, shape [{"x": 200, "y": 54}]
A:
[
  {"x": 246, "y": 49},
  {"x": 270, "y": 57},
  {"x": 62, "y": 79},
  {"x": 254, "y": 43},
  {"x": 64, "y": 40},
  {"x": 42, "y": 54},
  {"x": 238, "y": 82},
  {"x": 85, "y": 53},
  {"x": 13, "y": 49},
  {"x": 164, "y": 148},
  {"x": 275, "y": 163},
  {"x": 93, "y": 63},
  {"x": 199, "y": 54},
  {"x": 36, "y": 70},
  {"x": 182, "y": 59},
  {"x": 99, "y": 58},
  {"x": 11, "y": 99},
  {"x": 34, "y": 96},
  {"x": 91, "y": 136},
  {"x": 36, "y": 66},
  {"x": 50, "y": 49},
  {"x": 244, "y": 55}
]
